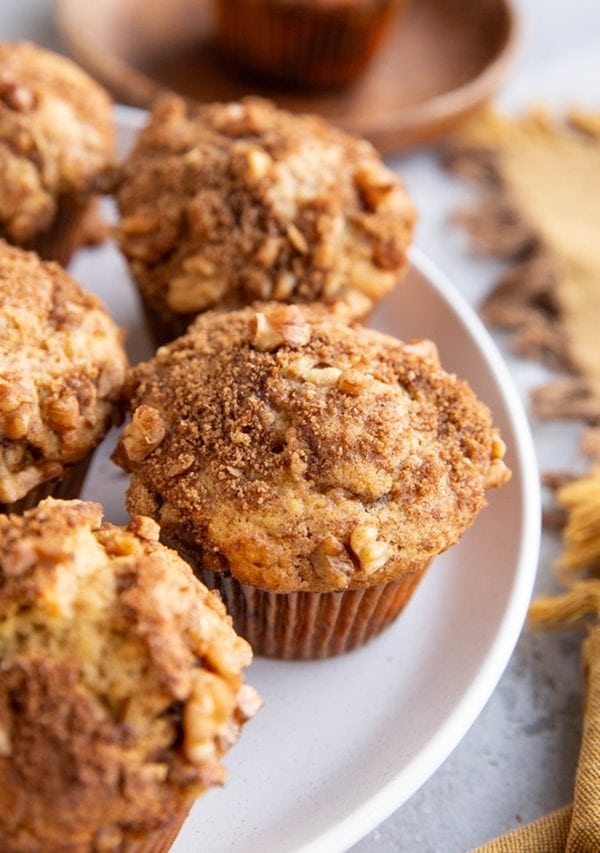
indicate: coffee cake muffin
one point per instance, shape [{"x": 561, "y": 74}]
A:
[
  {"x": 308, "y": 469},
  {"x": 225, "y": 204},
  {"x": 120, "y": 684},
  {"x": 304, "y": 42},
  {"x": 62, "y": 367},
  {"x": 56, "y": 144}
]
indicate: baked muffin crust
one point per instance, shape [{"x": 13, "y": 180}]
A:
[
  {"x": 120, "y": 681},
  {"x": 62, "y": 366},
  {"x": 56, "y": 136},
  {"x": 227, "y": 203},
  {"x": 300, "y": 453}
]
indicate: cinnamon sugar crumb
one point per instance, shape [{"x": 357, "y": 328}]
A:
[
  {"x": 322, "y": 463},
  {"x": 278, "y": 206},
  {"x": 62, "y": 366},
  {"x": 120, "y": 671},
  {"x": 56, "y": 135}
]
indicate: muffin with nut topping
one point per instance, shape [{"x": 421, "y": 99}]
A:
[
  {"x": 62, "y": 368},
  {"x": 57, "y": 147},
  {"x": 225, "y": 204},
  {"x": 308, "y": 469},
  {"x": 120, "y": 684}
]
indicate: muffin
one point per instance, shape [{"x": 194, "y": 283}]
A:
[
  {"x": 120, "y": 684},
  {"x": 312, "y": 42},
  {"x": 228, "y": 203},
  {"x": 57, "y": 144},
  {"x": 308, "y": 469},
  {"x": 62, "y": 367}
]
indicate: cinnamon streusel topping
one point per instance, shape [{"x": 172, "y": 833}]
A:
[
  {"x": 227, "y": 203},
  {"x": 300, "y": 453},
  {"x": 56, "y": 136},
  {"x": 120, "y": 680},
  {"x": 62, "y": 366}
]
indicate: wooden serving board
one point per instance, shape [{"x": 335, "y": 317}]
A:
[{"x": 441, "y": 61}]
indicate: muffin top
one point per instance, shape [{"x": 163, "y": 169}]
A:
[
  {"x": 56, "y": 136},
  {"x": 301, "y": 453},
  {"x": 62, "y": 366},
  {"x": 228, "y": 203},
  {"x": 121, "y": 681}
]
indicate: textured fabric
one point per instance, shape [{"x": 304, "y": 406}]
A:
[
  {"x": 573, "y": 829},
  {"x": 546, "y": 835},
  {"x": 584, "y": 835}
]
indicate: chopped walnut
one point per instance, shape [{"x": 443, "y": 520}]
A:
[
  {"x": 140, "y": 224},
  {"x": 372, "y": 553},
  {"x": 280, "y": 326},
  {"x": 22, "y": 557},
  {"x": 498, "y": 473},
  {"x": 144, "y": 433},
  {"x": 425, "y": 348},
  {"x": 258, "y": 162},
  {"x": 13, "y": 392},
  {"x": 207, "y": 709},
  {"x": 194, "y": 291},
  {"x": 63, "y": 414},
  {"x": 16, "y": 424},
  {"x": 144, "y": 527},
  {"x": 374, "y": 185},
  {"x": 18, "y": 98},
  {"x": 249, "y": 701},
  {"x": 352, "y": 381},
  {"x": 284, "y": 285},
  {"x": 297, "y": 238},
  {"x": 268, "y": 250},
  {"x": 323, "y": 375},
  {"x": 332, "y": 563}
]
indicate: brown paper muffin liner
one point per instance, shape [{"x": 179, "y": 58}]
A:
[
  {"x": 307, "y": 625},
  {"x": 68, "y": 231},
  {"x": 67, "y": 488},
  {"x": 303, "y": 43},
  {"x": 164, "y": 326},
  {"x": 159, "y": 841}
]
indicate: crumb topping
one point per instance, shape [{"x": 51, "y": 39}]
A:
[
  {"x": 62, "y": 366},
  {"x": 119, "y": 671},
  {"x": 299, "y": 452},
  {"x": 56, "y": 136},
  {"x": 224, "y": 204}
]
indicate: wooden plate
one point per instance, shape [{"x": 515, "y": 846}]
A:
[{"x": 441, "y": 61}]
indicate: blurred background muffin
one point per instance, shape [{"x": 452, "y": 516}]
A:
[
  {"x": 62, "y": 366},
  {"x": 308, "y": 469},
  {"x": 56, "y": 144},
  {"x": 314, "y": 42},
  {"x": 225, "y": 204},
  {"x": 121, "y": 684}
]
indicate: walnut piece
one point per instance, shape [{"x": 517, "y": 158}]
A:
[
  {"x": 332, "y": 563},
  {"x": 280, "y": 326},
  {"x": 144, "y": 433},
  {"x": 372, "y": 554},
  {"x": 207, "y": 710}
]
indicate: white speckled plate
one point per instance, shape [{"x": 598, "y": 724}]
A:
[{"x": 341, "y": 743}]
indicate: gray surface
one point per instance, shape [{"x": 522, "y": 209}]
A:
[{"x": 518, "y": 760}]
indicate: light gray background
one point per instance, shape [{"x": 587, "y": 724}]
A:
[{"x": 518, "y": 760}]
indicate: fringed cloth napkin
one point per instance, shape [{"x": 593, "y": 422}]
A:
[
  {"x": 539, "y": 209},
  {"x": 576, "y": 828}
]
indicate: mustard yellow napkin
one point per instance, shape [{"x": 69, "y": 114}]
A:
[
  {"x": 576, "y": 828},
  {"x": 539, "y": 209}
]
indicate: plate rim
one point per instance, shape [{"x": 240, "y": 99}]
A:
[
  {"x": 377, "y": 807},
  {"x": 397, "y": 130},
  {"x": 395, "y": 793}
]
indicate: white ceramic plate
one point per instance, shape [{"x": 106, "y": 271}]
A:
[{"x": 342, "y": 743}]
